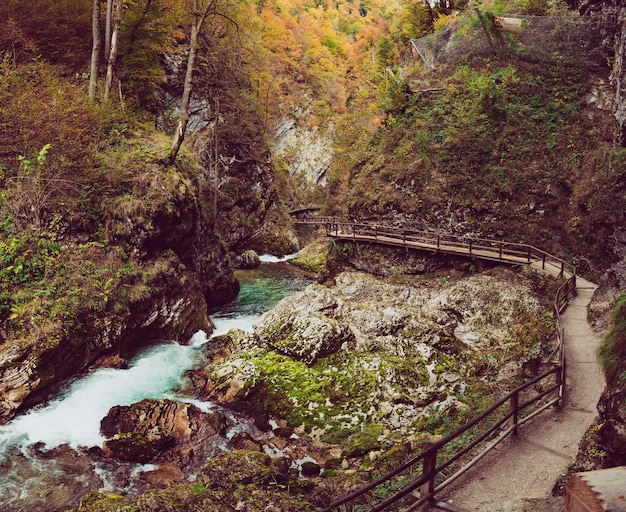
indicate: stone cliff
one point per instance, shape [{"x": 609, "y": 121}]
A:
[{"x": 181, "y": 269}]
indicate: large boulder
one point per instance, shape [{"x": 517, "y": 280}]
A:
[
  {"x": 163, "y": 431},
  {"x": 249, "y": 259},
  {"x": 303, "y": 326},
  {"x": 385, "y": 351}
]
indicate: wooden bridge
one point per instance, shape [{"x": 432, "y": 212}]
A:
[
  {"x": 416, "y": 483},
  {"x": 460, "y": 245}
]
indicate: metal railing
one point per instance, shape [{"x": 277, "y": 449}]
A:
[{"x": 419, "y": 479}]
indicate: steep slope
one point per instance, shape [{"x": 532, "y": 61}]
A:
[
  {"x": 503, "y": 144},
  {"x": 103, "y": 248}
]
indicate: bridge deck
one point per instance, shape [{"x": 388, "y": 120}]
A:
[{"x": 482, "y": 253}]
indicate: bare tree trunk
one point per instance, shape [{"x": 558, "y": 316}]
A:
[
  {"x": 196, "y": 27},
  {"x": 119, "y": 12},
  {"x": 95, "y": 49},
  {"x": 107, "y": 30},
  {"x": 216, "y": 160}
]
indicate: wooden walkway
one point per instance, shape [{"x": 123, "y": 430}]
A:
[{"x": 492, "y": 250}]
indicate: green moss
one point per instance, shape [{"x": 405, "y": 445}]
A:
[
  {"x": 612, "y": 350},
  {"x": 364, "y": 441},
  {"x": 102, "y": 502},
  {"x": 313, "y": 256},
  {"x": 332, "y": 394},
  {"x": 238, "y": 467},
  {"x": 131, "y": 446}
]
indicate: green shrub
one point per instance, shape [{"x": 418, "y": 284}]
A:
[{"x": 612, "y": 350}]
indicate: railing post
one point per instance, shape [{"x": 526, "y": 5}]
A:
[
  {"x": 529, "y": 254},
  {"x": 515, "y": 409},
  {"x": 543, "y": 264},
  {"x": 428, "y": 469},
  {"x": 438, "y": 240},
  {"x": 470, "y": 247},
  {"x": 500, "y": 246},
  {"x": 376, "y": 232},
  {"x": 560, "y": 381}
]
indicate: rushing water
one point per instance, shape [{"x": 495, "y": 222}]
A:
[{"x": 72, "y": 418}]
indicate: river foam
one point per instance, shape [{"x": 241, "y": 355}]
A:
[
  {"x": 74, "y": 416},
  {"x": 32, "y": 478},
  {"x": 270, "y": 258}
]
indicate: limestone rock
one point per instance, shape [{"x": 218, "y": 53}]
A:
[
  {"x": 307, "y": 151},
  {"x": 370, "y": 350},
  {"x": 240, "y": 467},
  {"x": 249, "y": 259},
  {"x": 161, "y": 476},
  {"x": 304, "y": 328},
  {"x": 131, "y": 447}
]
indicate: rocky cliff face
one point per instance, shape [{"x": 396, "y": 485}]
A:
[
  {"x": 306, "y": 151},
  {"x": 619, "y": 76},
  {"x": 184, "y": 269},
  {"x": 613, "y": 14},
  {"x": 226, "y": 134}
]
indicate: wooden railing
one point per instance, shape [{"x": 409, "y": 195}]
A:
[
  {"x": 419, "y": 479},
  {"x": 495, "y": 250}
]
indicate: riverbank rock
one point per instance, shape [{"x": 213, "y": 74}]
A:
[
  {"x": 249, "y": 259},
  {"x": 302, "y": 328},
  {"x": 164, "y": 431},
  {"x": 391, "y": 352}
]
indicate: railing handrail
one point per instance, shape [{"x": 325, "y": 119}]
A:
[
  {"x": 430, "y": 468},
  {"x": 515, "y": 249}
]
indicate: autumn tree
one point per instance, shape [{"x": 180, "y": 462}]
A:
[
  {"x": 55, "y": 30},
  {"x": 416, "y": 18},
  {"x": 149, "y": 31},
  {"x": 199, "y": 16},
  {"x": 95, "y": 49},
  {"x": 112, "y": 46}
]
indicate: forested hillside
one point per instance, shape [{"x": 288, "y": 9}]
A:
[
  {"x": 91, "y": 188},
  {"x": 113, "y": 237}
]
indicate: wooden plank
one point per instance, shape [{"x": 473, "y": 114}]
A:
[{"x": 596, "y": 491}]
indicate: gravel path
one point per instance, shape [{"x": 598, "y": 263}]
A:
[{"x": 519, "y": 475}]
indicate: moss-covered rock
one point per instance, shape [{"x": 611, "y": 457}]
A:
[
  {"x": 102, "y": 502},
  {"x": 313, "y": 256},
  {"x": 365, "y": 441},
  {"x": 410, "y": 347},
  {"x": 249, "y": 259},
  {"x": 239, "y": 467}
]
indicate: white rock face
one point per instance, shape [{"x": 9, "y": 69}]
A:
[{"x": 308, "y": 152}]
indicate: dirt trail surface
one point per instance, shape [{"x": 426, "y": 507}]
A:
[{"x": 519, "y": 475}]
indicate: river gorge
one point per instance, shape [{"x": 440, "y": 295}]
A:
[
  {"x": 50, "y": 455},
  {"x": 328, "y": 377}
]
